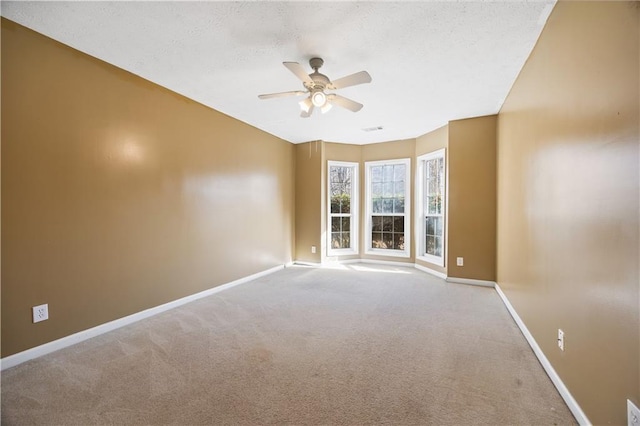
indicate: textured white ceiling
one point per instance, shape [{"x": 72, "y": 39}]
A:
[{"x": 431, "y": 62}]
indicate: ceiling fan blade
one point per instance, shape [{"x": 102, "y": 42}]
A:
[
  {"x": 299, "y": 71},
  {"x": 307, "y": 114},
  {"x": 282, "y": 94},
  {"x": 345, "y": 102},
  {"x": 351, "y": 80}
]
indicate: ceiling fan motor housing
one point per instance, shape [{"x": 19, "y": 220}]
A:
[
  {"x": 320, "y": 81},
  {"x": 316, "y": 63}
]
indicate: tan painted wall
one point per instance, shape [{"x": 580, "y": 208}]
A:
[
  {"x": 432, "y": 141},
  {"x": 389, "y": 151},
  {"x": 425, "y": 144},
  {"x": 119, "y": 195},
  {"x": 471, "y": 157},
  {"x": 568, "y": 201},
  {"x": 308, "y": 203}
]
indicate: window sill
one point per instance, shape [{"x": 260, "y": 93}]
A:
[
  {"x": 438, "y": 261},
  {"x": 387, "y": 252},
  {"x": 342, "y": 252}
]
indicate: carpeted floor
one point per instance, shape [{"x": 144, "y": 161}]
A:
[{"x": 361, "y": 345}]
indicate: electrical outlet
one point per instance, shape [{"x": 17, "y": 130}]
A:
[
  {"x": 633, "y": 414},
  {"x": 313, "y": 249},
  {"x": 40, "y": 313},
  {"x": 561, "y": 339},
  {"x": 460, "y": 261}
]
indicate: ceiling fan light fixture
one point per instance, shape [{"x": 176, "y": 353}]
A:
[
  {"x": 318, "y": 98},
  {"x": 305, "y": 104},
  {"x": 327, "y": 106}
]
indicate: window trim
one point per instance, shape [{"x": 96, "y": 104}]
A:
[
  {"x": 420, "y": 230},
  {"x": 354, "y": 215},
  {"x": 406, "y": 253}
]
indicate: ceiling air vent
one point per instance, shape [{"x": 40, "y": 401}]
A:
[{"x": 372, "y": 129}]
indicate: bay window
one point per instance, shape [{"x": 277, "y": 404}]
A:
[
  {"x": 387, "y": 221},
  {"x": 342, "y": 190},
  {"x": 430, "y": 196}
]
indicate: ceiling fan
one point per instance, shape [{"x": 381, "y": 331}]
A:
[{"x": 316, "y": 84}]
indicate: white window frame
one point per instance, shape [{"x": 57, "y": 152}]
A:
[
  {"x": 354, "y": 211},
  {"x": 407, "y": 210},
  {"x": 421, "y": 250}
]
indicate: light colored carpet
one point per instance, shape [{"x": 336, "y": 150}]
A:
[{"x": 365, "y": 345}]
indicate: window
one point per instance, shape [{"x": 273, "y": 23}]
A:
[
  {"x": 342, "y": 190},
  {"x": 430, "y": 190},
  {"x": 387, "y": 209}
]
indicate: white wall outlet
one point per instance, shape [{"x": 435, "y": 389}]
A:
[
  {"x": 561, "y": 339},
  {"x": 40, "y": 313},
  {"x": 460, "y": 261},
  {"x": 633, "y": 414},
  {"x": 313, "y": 249}
]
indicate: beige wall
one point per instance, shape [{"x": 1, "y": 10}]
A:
[
  {"x": 568, "y": 201},
  {"x": 430, "y": 142},
  {"x": 119, "y": 195},
  {"x": 308, "y": 203},
  {"x": 471, "y": 160}
]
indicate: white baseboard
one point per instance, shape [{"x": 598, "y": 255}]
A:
[
  {"x": 38, "y": 351},
  {"x": 385, "y": 262},
  {"x": 469, "y": 281},
  {"x": 303, "y": 263},
  {"x": 343, "y": 262},
  {"x": 562, "y": 389},
  {"x": 430, "y": 271}
]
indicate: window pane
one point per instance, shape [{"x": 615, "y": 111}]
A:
[
  {"x": 376, "y": 174},
  {"x": 438, "y": 226},
  {"x": 347, "y": 173},
  {"x": 387, "y": 205},
  {"x": 399, "y": 189},
  {"x": 387, "y": 223},
  {"x": 399, "y": 171},
  {"x": 398, "y": 205},
  {"x": 345, "y": 204},
  {"x": 347, "y": 187},
  {"x": 377, "y": 224},
  {"x": 346, "y": 240},
  {"x": 346, "y": 224},
  {"x": 387, "y": 189},
  {"x": 398, "y": 224},
  {"x": 377, "y": 205},
  {"x": 434, "y": 186},
  {"x": 438, "y": 246},
  {"x": 431, "y": 245},
  {"x": 335, "y": 204},
  {"x": 387, "y": 240},
  {"x": 335, "y": 224},
  {"x": 376, "y": 190},
  {"x": 398, "y": 241},
  {"x": 387, "y": 175},
  {"x": 376, "y": 240},
  {"x": 334, "y": 173},
  {"x": 430, "y": 226},
  {"x": 433, "y": 204},
  {"x": 335, "y": 240}
]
